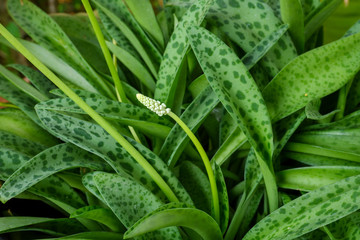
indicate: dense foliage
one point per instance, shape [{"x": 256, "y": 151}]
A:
[{"x": 249, "y": 82}]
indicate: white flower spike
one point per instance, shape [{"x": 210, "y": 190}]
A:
[{"x": 153, "y": 105}]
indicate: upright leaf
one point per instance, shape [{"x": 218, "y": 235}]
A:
[
  {"x": 144, "y": 14},
  {"x": 175, "y": 52},
  {"x": 235, "y": 88},
  {"x": 44, "y": 30}
]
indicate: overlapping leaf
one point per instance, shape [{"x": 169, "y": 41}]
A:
[
  {"x": 130, "y": 201},
  {"x": 313, "y": 210},
  {"x": 235, "y": 88}
]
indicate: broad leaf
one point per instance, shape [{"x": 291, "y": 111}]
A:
[
  {"x": 46, "y": 163},
  {"x": 177, "y": 214},
  {"x": 299, "y": 83},
  {"x": 310, "y": 211},
  {"x": 95, "y": 139},
  {"x": 311, "y": 178},
  {"x": 123, "y": 196},
  {"x": 101, "y": 215},
  {"x": 235, "y": 88}
]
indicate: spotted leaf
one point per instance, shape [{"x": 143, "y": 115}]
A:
[
  {"x": 46, "y": 163},
  {"x": 138, "y": 117},
  {"x": 43, "y": 84},
  {"x": 299, "y": 83},
  {"x": 235, "y": 88},
  {"x": 310, "y": 211},
  {"x": 130, "y": 201},
  {"x": 95, "y": 139},
  {"x": 176, "y": 50}
]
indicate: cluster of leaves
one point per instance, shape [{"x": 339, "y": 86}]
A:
[{"x": 276, "y": 111}]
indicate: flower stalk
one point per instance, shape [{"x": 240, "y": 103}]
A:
[{"x": 161, "y": 110}]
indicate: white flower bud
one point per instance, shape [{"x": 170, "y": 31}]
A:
[{"x": 153, "y": 105}]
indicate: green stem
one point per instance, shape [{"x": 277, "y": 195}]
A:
[
  {"x": 316, "y": 150},
  {"x": 105, "y": 50},
  {"x": 327, "y": 231},
  {"x": 92, "y": 113},
  {"x": 341, "y": 104},
  {"x": 111, "y": 62},
  {"x": 206, "y": 161}
]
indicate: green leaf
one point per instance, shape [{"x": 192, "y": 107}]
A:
[
  {"x": 311, "y": 178},
  {"x": 310, "y": 211},
  {"x": 128, "y": 114},
  {"x": 52, "y": 187},
  {"x": 133, "y": 65},
  {"x": 197, "y": 184},
  {"x": 299, "y": 83},
  {"x": 101, "y": 215},
  {"x": 312, "y": 111},
  {"x": 322, "y": 151},
  {"x": 346, "y": 228},
  {"x": 16, "y": 122},
  {"x": 285, "y": 128},
  {"x": 223, "y": 198},
  {"x": 177, "y": 214},
  {"x": 249, "y": 22},
  {"x": 353, "y": 30},
  {"x": 19, "y": 144},
  {"x": 79, "y": 29},
  {"x": 123, "y": 195},
  {"x": 175, "y": 52},
  {"x": 350, "y": 121},
  {"x": 315, "y": 19},
  {"x": 240, "y": 96},
  {"x": 353, "y": 97},
  {"x": 144, "y": 14},
  {"x": 46, "y": 163},
  {"x": 91, "y": 236},
  {"x": 57, "y": 227},
  {"x": 110, "y": 9},
  {"x": 52, "y": 37},
  {"x": 18, "y": 98},
  {"x": 22, "y": 85},
  {"x": 193, "y": 117},
  {"x": 256, "y": 54},
  {"x": 342, "y": 140},
  {"x": 36, "y": 78},
  {"x": 292, "y": 14},
  {"x": 235, "y": 140},
  {"x": 59, "y": 66},
  {"x": 316, "y": 160},
  {"x": 94, "y": 139}
]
